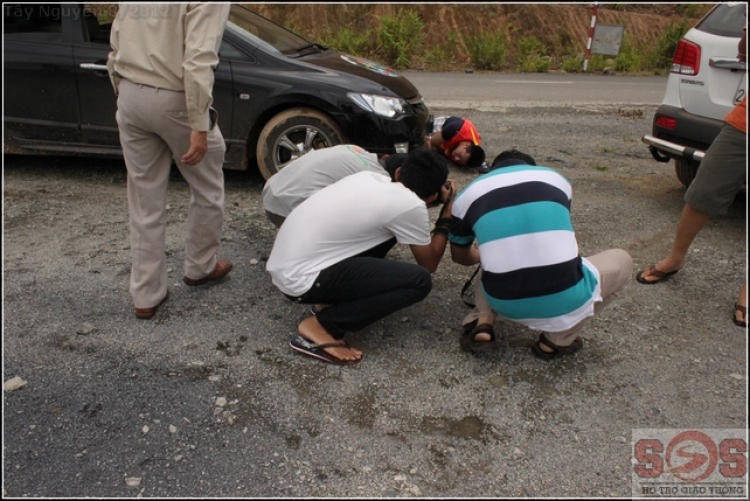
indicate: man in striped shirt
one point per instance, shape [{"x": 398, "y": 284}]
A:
[{"x": 531, "y": 271}]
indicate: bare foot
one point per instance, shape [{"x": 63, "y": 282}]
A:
[
  {"x": 311, "y": 330},
  {"x": 740, "y": 315},
  {"x": 484, "y": 336},
  {"x": 545, "y": 348}
]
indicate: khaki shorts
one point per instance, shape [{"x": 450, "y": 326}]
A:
[{"x": 722, "y": 173}]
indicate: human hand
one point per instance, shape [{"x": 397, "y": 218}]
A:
[
  {"x": 198, "y": 148},
  {"x": 434, "y": 140},
  {"x": 448, "y": 191}
]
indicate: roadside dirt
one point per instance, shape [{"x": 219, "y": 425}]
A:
[{"x": 208, "y": 400}]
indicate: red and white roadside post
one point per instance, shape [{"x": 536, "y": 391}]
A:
[{"x": 591, "y": 37}]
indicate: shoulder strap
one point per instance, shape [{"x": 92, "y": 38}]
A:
[{"x": 466, "y": 287}]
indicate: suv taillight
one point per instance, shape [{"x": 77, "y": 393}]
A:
[
  {"x": 687, "y": 58},
  {"x": 667, "y": 123}
]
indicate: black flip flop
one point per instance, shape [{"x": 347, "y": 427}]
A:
[
  {"x": 302, "y": 345},
  {"x": 660, "y": 275}
]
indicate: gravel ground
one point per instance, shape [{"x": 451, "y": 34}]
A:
[{"x": 208, "y": 400}]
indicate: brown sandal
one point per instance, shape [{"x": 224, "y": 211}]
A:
[
  {"x": 471, "y": 330},
  {"x": 743, "y": 310},
  {"x": 557, "y": 351}
]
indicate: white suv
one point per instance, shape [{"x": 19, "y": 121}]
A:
[{"x": 706, "y": 82}]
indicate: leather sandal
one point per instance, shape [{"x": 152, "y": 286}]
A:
[
  {"x": 469, "y": 341},
  {"x": 557, "y": 351}
]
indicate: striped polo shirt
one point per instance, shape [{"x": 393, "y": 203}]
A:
[{"x": 531, "y": 270}]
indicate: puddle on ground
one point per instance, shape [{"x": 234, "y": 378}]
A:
[
  {"x": 542, "y": 383},
  {"x": 499, "y": 382},
  {"x": 470, "y": 427}
]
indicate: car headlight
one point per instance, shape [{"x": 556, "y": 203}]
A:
[{"x": 382, "y": 105}]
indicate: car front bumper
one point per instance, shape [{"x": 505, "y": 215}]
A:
[{"x": 381, "y": 135}]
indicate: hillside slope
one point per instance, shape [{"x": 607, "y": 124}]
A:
[{"x": 564, "y": 29}]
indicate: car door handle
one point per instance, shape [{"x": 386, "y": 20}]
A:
[
  {"x": 95, "y": 67},
  {"x": 726, "y": 63}
]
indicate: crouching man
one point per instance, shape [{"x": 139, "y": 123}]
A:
[
  {"x": 530, "y": 269},
  {"x": 294, "y": 184},
  {"x": 330, "y": 251}
]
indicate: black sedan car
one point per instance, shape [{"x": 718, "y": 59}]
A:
[{"x": 277, "y": 94}]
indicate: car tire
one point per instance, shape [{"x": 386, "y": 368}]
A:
[
  {"x": 293, "y": 133},
  {"x": 685, "y": 171}
]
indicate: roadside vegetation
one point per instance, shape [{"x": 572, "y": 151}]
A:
[
  {"x": 399, "y": 42},
  {"x": 510, "y": 38}
]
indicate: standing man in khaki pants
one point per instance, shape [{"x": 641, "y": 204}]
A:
[{"x": 162, "y": 69}]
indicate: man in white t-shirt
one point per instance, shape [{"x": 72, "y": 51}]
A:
[
  {"x": 324, "y": 252},
  {"x": 294, "y": 184}
]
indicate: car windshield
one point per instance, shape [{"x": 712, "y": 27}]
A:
[{"x": 263, "y": 33}]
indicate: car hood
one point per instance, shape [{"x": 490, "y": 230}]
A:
[{"x": 365, "y": 68}]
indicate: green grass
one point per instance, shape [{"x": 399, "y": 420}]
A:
[
  {"x": 400, "y": 38},
  {"x": 629, "y": 59},
  {"x": 350, "y": 42},
  {"x": 572, "y": 64},
  {"x": 532, "y": 56},
  {"x": 662, "y": 52},
  {"x": 442, "y": 56},
  {"x": 597, "y": 62},
  {"x": 488, "y": 51}
]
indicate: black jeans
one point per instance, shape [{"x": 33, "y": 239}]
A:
[{"x": 362, "y": 290}]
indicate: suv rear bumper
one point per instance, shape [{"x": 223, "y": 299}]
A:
[
  {"x": 692, "y": 135},
  {"x": 662, "y": 150}
]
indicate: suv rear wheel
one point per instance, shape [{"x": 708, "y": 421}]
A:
[
  {"x": 685, "y": 171},
  {"x": 291, "y": 134}
]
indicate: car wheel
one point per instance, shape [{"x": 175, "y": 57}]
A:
[
  {"x": 685, "y": 171},
  {"x": 291, "y": 134}
]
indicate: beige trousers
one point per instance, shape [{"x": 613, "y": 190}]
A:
[
  {"x": 615, "y": 268},
  {"x": 154, "y": 130}
]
